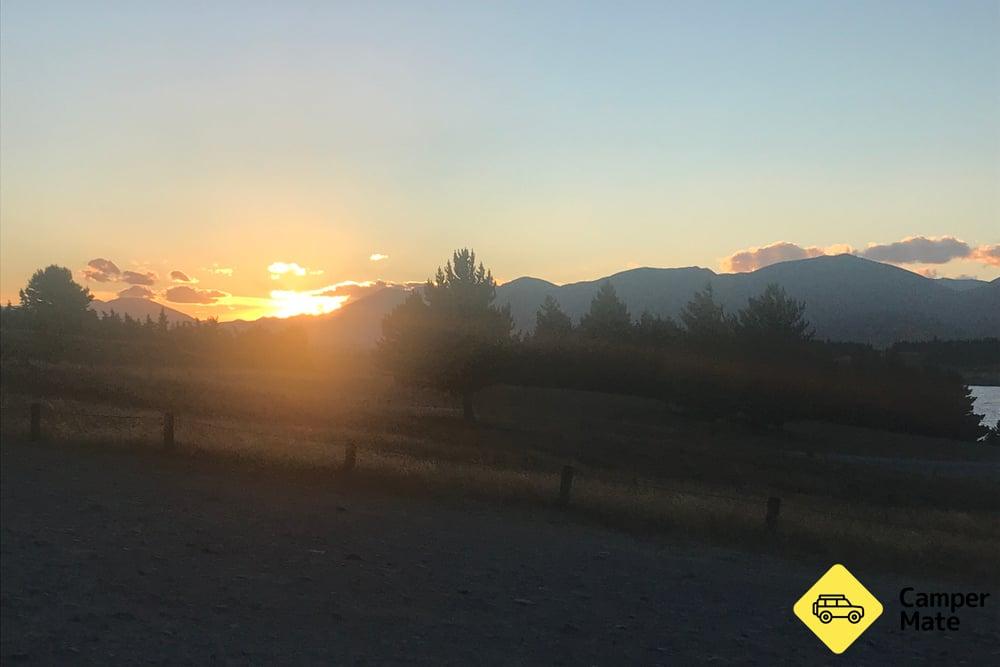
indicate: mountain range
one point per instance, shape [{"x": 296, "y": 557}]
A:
[{"x": 847, "y": 298}]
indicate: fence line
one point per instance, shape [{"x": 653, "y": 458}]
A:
[
  {"x": 107, "y": 416},
  {"x": 218, "y": 427},
  {"x": 566, "y": 477},
  {"x": 636, "y": 481}
]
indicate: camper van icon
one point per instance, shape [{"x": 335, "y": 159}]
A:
[{"x": 828, "y": 607}]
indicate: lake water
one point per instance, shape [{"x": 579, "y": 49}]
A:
[{"x": 987, "y": 403}]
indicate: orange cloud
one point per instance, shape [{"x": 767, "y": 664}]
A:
[
  {"x": 181, "y": 277},
  {"x": 781, "y": 251},
  {"x": 102, "y": 270},
  {"x": 918, "y": 250},
  {"x": 185, "y": 294},
  {"x": 351, "y": 288},
  {"x": 136, "y": 278},
  {"x": 279, "y": 269},
  {"x": 908, "y": 251},
  {"x": 987, "y": 254},
  {"x": 219, "y": 270}
]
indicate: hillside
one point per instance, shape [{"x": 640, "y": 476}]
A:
[
  {"x": 139, "y": 309},
  {"x": 847, "y": 298},
  {"x": 357, "y": 324}
]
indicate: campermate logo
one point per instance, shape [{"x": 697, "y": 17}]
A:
[{"x": 838, "y": 608}]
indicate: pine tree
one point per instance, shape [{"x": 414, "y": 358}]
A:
[
  {"x": 551, "y": 323},
  {"x": 705, "y": 321},
  {"x": 162, "y": 324},
  {"x": 655, "y": 330},
  {"x": 774, "y": 318},
  {"x": 608, "y": 317},
  {"x": 449, "y": 336}
]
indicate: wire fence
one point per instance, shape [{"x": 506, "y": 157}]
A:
[{"x": 570, "y": 472}]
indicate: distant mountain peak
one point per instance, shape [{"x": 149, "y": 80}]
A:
[
  {"x": 138, "y": 309},
  {"x": 529, "y": 280}
]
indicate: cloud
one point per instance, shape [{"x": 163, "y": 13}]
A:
[
  {"x": 137, "y": 292},
  {"x": 287, "y": 303},
  {"x": 908, "y": 251},
  {"x": 918, "y": 250},
  {"x": 101, "y": 270},
  {"x": 185, "y": 294},
  {"x": 781, "y": 251},
  {"x": 136, "y": 278},
  {"x": 987, "y": 254},
  {"x": 181, "y": 277},
  {"x": 357, "y": 290},
  {"x": 377, "y": 257},
  {"x": 351, "y": 288},
  {"x": 284, "y": 303},
  {"x": 217, "y": 270},
  {"x": 278, "y": 269}
]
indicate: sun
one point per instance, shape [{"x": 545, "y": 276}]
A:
[{"x": 289, "y": 303}]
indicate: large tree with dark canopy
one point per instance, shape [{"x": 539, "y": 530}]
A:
[
  {"x": 774, "y": 319},
  {"x": 608, "y": 317},
  {"x": 551, "y": 323},
  {"x": 449, "y": 336},
  {"x": 53, "y": 302},
  {"x": 705, "y": 320}
]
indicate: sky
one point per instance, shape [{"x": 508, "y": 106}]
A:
[{"x": 350, "y": 143}]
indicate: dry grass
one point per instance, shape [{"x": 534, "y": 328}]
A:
[{"x": 696, "y": 480}]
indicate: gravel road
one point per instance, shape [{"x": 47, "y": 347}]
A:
[{"x": 116, "y": 556}]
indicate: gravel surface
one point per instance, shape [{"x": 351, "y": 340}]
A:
[{"x": 111, "y": 556}]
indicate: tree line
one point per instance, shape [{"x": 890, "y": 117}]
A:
[
  {"x": 761, "y": 365},
  {"x": 53, "y": 322}
]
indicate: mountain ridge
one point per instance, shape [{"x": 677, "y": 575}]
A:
[
  {"x": 138, "y": 309},
  {"x": 848, "y": 298}
]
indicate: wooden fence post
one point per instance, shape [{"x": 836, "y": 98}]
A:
[
  {"x": 565, "y": 485},
  {"x": 168, "y": 430},
  {"x": 36, "y": 422},
  {"x": 773, "y": 510},
  {"x": 350, "y": 457}
]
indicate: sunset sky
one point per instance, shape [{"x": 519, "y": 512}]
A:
[{"x": 240, "y": 159}]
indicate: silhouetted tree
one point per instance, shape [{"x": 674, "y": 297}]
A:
[
  {"x": 551, "y": 323},
  {"x": 406, "y": 335},
  {"x": 705, "y": 320},
  {"x": 608, "y": 317},
  {"x": 162, "y": 324},
  {"x": 53, "y": 302},
  {"x": 656, "y": 331},
  {"x": 450, "y": 336},
  {"x": 774, "y": 319}
]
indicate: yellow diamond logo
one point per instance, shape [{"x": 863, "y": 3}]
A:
[{"x": 838, "y": 609}]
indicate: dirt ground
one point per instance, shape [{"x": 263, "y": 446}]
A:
[{"x": 123, "y": 556}]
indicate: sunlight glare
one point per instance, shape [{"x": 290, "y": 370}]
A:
[{"x": 289, "y": 303}]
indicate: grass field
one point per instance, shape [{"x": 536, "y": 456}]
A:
[{"x": 903, "y": 503}]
